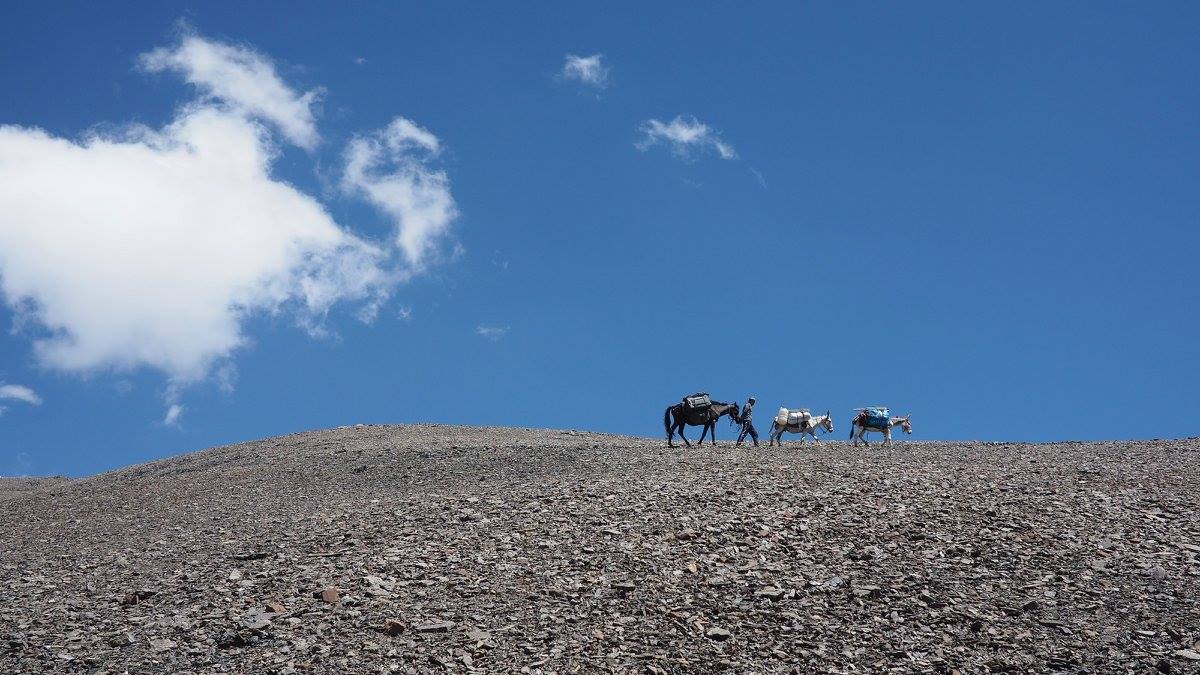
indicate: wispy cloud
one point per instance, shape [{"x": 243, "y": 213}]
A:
[
  {"x": 492, "y": 333},
  {"x": 392, "y": 168},
  {"x": 685, "y": 136},
  {"x": 174, "y": 412},
  {"x": 589, "y": 70},
  {"x": 20, "y": 466},
  {"x": 17, "y": 392},
  {"x": 243, "y": 79}
]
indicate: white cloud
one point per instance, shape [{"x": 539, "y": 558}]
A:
[
  {"x": 684, "y": 136},
  {"x": 226, "y": 376},
  {"x": 152, "y": 247},
  {"x": 171, "y": 419},
  {"x": 17, "y": 392},
  {"x": 243, "y": 79},
  {"x": 391, "y": 169},
  {"x": 589, "y": 70},
  {"x": 492, "y": 333}
]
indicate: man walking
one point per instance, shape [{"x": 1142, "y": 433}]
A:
[{"x": 748, "y": 423}]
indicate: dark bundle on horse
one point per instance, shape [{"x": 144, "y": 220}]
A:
[{"x": 676, "y": 417}]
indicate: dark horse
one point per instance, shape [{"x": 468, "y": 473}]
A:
[{"x": 674, "y": 418}]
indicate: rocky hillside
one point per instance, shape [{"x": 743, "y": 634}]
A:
[{"x": 428, "y": 548}]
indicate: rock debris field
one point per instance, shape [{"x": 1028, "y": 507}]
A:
[{"x": 431, "y": 548}]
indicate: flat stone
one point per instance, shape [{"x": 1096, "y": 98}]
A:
[{"x": 719, "y": 634}]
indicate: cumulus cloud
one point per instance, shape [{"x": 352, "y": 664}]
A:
[
  {"x": 392, "y": 169},
  {"x": 589, "y": 70},
  {"x": 685, "y": 136},
  {"x": 17, "y": 392},
  {"x": 151, "y": 247},
  {"x": 242, "y": 79},
  {"x": 492, "y": 333}
]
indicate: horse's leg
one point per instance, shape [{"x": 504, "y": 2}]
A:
[
  {"x": 887, "y": 435},
  {"x": 703, "y": 433}
]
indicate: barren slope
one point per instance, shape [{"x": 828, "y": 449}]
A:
[{"x": 501, "y": 549}]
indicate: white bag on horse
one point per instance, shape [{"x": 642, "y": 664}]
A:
[{"x": 786, "y": 417}]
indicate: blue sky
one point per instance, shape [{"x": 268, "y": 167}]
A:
[{"x": 982, "y": 216}]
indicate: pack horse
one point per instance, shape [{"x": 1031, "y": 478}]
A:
[
  {"x": 877, "y": 419},
  {"x": 697, "y": 410},
  {"x": 799, "y": 421}
]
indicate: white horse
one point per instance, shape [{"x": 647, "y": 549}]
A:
[
  {"x": 807, "y": 424},
  {"x": 858, "y": 428}
]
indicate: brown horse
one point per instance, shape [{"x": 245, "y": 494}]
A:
[{"x": 675, "y": 418}]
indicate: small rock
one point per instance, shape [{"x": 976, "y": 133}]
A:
[
  {"x": 120, "y": 640},
  {"x": 331, "y": 595},
  {"x": 478, "y": 635},
  {"x": 770, "y": 592},
  {"x": 393, "y": 627},
  {"x": 276, "y": 607},
  {"x": 230, "y": 638},
  {"x": 162, "y": 645},
  {"x": 1157, "y": 573},
  {"x": 1189, "y": 654},
  {"x": 258, "y": 621},
  {"x": 435, "y": 627},
  {"x": 719, "y": 634}
]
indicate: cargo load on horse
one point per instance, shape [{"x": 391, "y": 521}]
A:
[
  {"x": 798, "y": 418},
  {"x": 799, "y": 421},
  {"x": 697, "y": 401},
  {"x": 875, "y": 417},
  {"x": 697, "y": 410}
]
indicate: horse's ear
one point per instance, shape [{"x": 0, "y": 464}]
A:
[{"x": 827, "y": 413}]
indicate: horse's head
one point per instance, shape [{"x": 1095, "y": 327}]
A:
[
  {"x": 905, "y": 424},
  {"x": 828, "y": 423},
  {"x": 735, "y": 414}
]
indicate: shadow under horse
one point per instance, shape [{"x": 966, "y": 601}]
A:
[{"x": 675, "y": 418}]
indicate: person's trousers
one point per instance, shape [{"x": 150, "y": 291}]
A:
[{"x": 748, "y": 428}]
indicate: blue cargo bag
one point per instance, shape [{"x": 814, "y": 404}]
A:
[{"x": 877, "y": 418}]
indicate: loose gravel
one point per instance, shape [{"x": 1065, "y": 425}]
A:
[{"x": 431, "y": 548}]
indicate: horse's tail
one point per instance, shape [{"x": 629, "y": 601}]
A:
[
  {"x": 667, "y": 420},
  {"x": 851, "y": 437}
]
